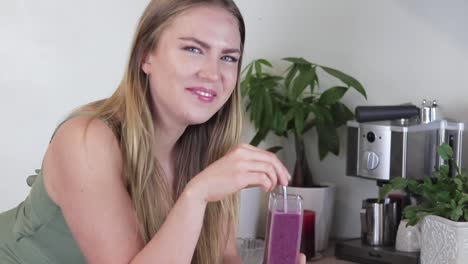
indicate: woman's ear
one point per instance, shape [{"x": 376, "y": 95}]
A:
[{"x": 146, "y": 65}]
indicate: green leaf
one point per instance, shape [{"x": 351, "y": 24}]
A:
[
  {"x": 443, "y": 197},
  {"x": 414, "y": 187},
  {"x": 265, "y": 62},
  {"x": 455, "y": 166},
  {"x": 341, "y": 114},
  {"x": 244, "y": 86},
  {"x": 258, "y": 69},
  {"x": 289, "y": 77},
  {"x": 247, "y": 67},
  {"x": 413, "y": 221},
  {"x": 465, "y": 214},
  {"x": 456, "y": 213},
  {"x": 410, "y": 212},
  {"x": 289, "y": 115},
  {"x": 268, "y": 104},
  {"x": 386, "y": 189},
  {"x": 453, "y": 205},
  {"x": 303, "y": 79},
  {"x": 275, "y": 149},
  {"x": 267, "y": 118},
  {"x": 445, "y": 151},
  {"x": 427, "y": 181},
  {"x": 273, "y": 79},
  {"x": 259, "y": 136},
  {"x": 459, "y": 183},
  {"x": 348, "y": 80},
  {"x": 257, "y": 110},
  {"x": 463, "y": 200},
  {"x": 328, "y": 140},
  {"x": 332, "y": 95},
  {"x": 444, "y": 171},
  {"x": 246, "y": 83},
  {"x": 399, "y": 183},
  {"x": 297, "y": 61},
  {"x": 322, "y": 114}
]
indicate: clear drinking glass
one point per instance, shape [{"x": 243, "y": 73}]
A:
[
  {"x": 251, "y": 250},
  {"x": 283, "y": 230}
]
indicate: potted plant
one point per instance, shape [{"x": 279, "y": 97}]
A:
[
  {"x": 441, "y": 209},
  {"x": 289, "y": 106}
]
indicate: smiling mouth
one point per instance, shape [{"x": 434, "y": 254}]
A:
[{"x": 203, "y": 94}]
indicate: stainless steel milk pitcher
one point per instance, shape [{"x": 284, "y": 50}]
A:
[{"x": 379, "y": 221}]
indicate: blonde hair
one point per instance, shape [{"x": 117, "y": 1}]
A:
[{"x": 128, "y": 111}]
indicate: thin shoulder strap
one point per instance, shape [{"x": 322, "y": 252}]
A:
[
  {"x": 32, "y": 178},
  {"x": 77, "y": 114}
]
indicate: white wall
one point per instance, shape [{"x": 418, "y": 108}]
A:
[
  {"x": 54, "y": 56},
  {"x": 58, "y": 54}
]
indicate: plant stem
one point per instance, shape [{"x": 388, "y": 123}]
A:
[{"x": 302, "y": 177}]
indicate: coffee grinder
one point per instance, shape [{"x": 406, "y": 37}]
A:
[{"x": 385, "y": 142}]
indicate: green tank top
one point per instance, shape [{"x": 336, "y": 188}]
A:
[{"x": 35, "y": 232}]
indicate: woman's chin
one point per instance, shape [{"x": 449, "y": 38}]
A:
[{"x": 198, "y": 119}]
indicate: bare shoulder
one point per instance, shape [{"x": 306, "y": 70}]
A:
[{"x": 83, "y": 152}]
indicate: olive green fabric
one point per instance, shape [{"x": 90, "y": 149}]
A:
[{"x": 36, "y": 232}]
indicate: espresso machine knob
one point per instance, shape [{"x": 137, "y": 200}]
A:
[{"x": 372, "y": 160}]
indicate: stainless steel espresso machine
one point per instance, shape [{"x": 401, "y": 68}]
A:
[{"x": 385, "y": 142}]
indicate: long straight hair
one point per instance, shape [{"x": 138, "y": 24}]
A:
[{"x": 129, "y": 113}]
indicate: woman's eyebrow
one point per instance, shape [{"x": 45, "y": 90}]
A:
[{"x": 207, "y": 46}]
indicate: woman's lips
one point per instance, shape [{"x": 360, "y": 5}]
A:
[{"x": 203, "y": 94}]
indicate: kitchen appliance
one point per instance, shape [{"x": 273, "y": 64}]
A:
[
  {"x": 385, "y": 142},
  {"x": 382, "y": 149}
]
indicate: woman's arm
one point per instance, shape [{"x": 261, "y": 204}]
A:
[
  {"x": 83, "y": 175},
  {"x": 176, "y": 240}
]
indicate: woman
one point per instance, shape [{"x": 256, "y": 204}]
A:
[{"x": 150, "y": 175}]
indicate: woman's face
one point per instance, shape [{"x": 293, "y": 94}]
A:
[{"x": 193, "y": 70}]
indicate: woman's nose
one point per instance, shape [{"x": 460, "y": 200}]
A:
[{"x": 210, "y": 70}]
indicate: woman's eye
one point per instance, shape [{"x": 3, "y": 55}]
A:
[
  {"x": 193, "y": 49},
  {"x": 229, "y": 59}
]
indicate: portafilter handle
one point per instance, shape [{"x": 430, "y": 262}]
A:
[{"x": 388, "y": 112}]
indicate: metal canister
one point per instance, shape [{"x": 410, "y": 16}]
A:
[{"x": 379, "y": 221}]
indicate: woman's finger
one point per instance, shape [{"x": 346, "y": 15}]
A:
[
  {"x": 265, "y": 156},
  {"x": 302, "y": 259},
  {"x": 264, "y": 167},
  {"x": 255, "y": 179}
]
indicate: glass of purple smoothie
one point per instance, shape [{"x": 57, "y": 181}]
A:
[{"x": 283, "y": 229}]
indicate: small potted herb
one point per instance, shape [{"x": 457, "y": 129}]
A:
[{"x": 441, "y": 209}]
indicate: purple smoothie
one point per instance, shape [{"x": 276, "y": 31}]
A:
[{"x": 283, "y": 239}]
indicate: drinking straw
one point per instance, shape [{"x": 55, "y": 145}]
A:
[{"x": 285, "y": 199}]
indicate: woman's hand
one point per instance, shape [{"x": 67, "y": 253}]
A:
[
  {"x": 302, "y": 259},
  {"x": 242, "y": 167}
]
